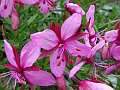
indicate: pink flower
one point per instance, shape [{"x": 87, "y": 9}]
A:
[
  {"x": 112, "y": 35},
  {"x": 44, "y": 5},
  {"x": 116, "y": 55},
  {"x": 14, "y": 20},
  {"x": 60, "y": 41},
  {"x": 75, "y": 8},
  {"x": 90, "y": 38},
  {"x": 88, "y": 59},
  {"x": 93, "y": 85},
  {"x": 6, "y": 7},
  {"x": 22, "y": 68}
]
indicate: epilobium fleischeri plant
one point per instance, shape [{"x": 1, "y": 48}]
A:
[{"x": 61, "y": 45}]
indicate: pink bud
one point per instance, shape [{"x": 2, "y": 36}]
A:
[
  {"x": 14, "y": 20},
  {"x": 61, "y": 83},
  {"x": 74, "y": 8},
  {"x": 105, "y": 52}
]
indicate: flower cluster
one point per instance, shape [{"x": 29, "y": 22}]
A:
[{"x": 61, "y": 44}]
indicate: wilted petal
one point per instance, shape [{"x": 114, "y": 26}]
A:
[
  {"x": 40, "y": 78},
  {"x": 71, "y": 26},
  {"x": 29, "y": 54},
  {"x": 9, "y": 53},
  {"x": 6, "y": 7},
  {"x": 29, "y": 1},
  {"x": 46, "y": 39},
  {"x": 76, "y": 48},
  {"x": 111, "y": 35},
  {"x": 76, "y": 68},
  {"x": 57, "y": 62}
]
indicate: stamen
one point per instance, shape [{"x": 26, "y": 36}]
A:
[
  {"x": 108, "y": 36},
  {"x": 58, "y": 57},
  {"x": 59, "y": 63},
  {"x": 79, "y": 56},
  {"x": 15, "y": 84},
  {"x": 5, "y": 6},
  {"x": 78, "y": 49}
]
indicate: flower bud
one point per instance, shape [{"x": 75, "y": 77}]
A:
[{"x": 14, "y": 20}]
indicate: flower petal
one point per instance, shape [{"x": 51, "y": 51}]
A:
[
  {"x": 116, "y": 53},
  {"x": 76, "y": 68},
  {"x": 110, "y": 69},
  {"x": 9, "y": 53},
  {"x": 58, "y": 62},
  {"x": 29, "y": 1},
  {"x": 29, "y": 54},
  {"x": 6, "y": 7},
  {"x": 46, "y": 39},
  {"x": 111, "y": 35},
  {"x": 89, "y": 85},
  {"x": 90, "y": 15},
  {"x": 44, "y": 7},
  {"x": 96, "y": 48},
  {"x": 40, "y": 78},
  {"x": 71, "y": 26},
  {"x": 76, "y": 48},
  {"x": 75, "y": 8}
]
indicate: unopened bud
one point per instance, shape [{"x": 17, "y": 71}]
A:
[{"x": 14, "y": 20}]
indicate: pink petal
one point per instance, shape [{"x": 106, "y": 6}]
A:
[
  {"x": 46, "y": 39},
  {"x": 15, "y": 20},
  {"x": 61, "y": 82},
  {"x": 76, "y": 48},
  {"x": 75, "y": 8},
  {"x": 6, "y": 7},
  {"x": 76, "y": 36},
  {"x": 105, "y": 52},
  {"x": 9, "y": 53},
  {"x": 78, "y": 60},
  {"x": 47, "y": 52},
  {"x": 44, "y": 7},
  {"x": 29, "y": 1},
  {"x": 39, "y": 78},
  {"x": 71, "y": 26},
  {"x": 88, "y": 85},
  {"x": 111, "y": 35},
  {"x": 84, "y": 86},
  {"x": 116, "y": 53},
  {"x": 29, "y": 54},
  {"x": 58, "y": 62},
  {"x": 90, "y": 15},
  {"x": 32, "y": 68},
  {"x": 76, "y": 68},
  {"x": 10, "y": 66},
  {"x": 96, "y": 48},
  {"x": 110, "y": 69}
]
